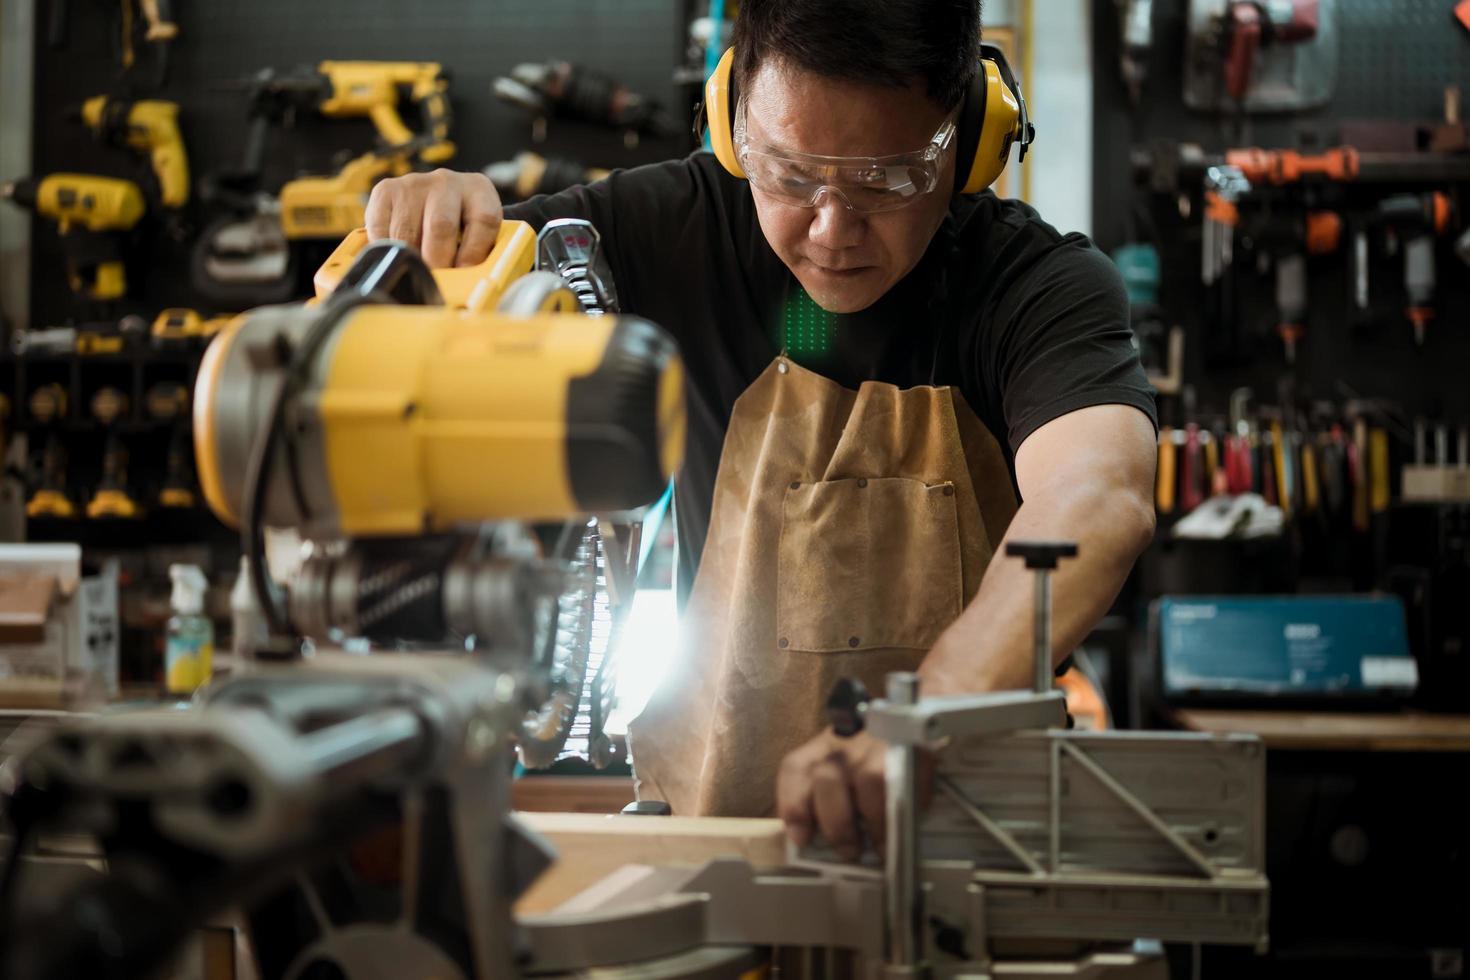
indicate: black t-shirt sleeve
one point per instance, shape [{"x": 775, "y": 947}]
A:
[{"x": 1060, "y": 341}]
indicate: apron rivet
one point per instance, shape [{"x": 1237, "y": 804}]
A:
[
  {"x": 862, "y": 483},
  {"x": 781, "y": 366},
  {"x": 795, "y": 484},
  {"x": 783, "y": 643},
  {"x": 852, "y": 641},
  {"x": 949, "y": 491}
]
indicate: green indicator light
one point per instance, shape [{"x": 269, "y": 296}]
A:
[{"x": 806, "y": 327}]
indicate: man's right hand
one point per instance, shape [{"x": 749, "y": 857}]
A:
[{"x": 451, "y": 218}]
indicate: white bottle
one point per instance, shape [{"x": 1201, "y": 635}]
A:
[
  {"x": 246, "y": 619},
  {"x": 188, "y": 653}
]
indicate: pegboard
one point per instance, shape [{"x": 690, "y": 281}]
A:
[
  {"x": 1397, "y": 57},
  {"x": 639, "y": 42}
]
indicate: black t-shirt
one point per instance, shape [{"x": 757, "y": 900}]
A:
[{"x": 1028, "y": 323}]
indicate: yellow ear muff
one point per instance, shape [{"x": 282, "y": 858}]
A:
[
  {"x": 719, "y": 114},
  {"x": 1001, "y": 127}
]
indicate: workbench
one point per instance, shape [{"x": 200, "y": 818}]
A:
[
  {"x": 1365, "y": 818},
  {"x": 1333, "y": 731}
]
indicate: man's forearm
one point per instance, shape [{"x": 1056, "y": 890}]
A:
[{"x": 989, "y": 647}]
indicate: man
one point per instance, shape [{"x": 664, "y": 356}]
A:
[{"x": 876, "y": 365}]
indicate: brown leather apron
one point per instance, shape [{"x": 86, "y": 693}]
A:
[{"x": 849, "y": 529}]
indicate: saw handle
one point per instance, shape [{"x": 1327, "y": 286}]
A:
[
  {"x": 846, "y": 703},
  {"x": 474, "y": 288}
]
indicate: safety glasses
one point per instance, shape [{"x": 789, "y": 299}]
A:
[{"x": 863, "y": 184}]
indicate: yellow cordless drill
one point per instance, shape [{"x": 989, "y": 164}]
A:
[
  {"x": 112, "y": 498},
  {"x": 168, "y": 401},
  {"x": 370, "y": 88},
  {"x": 150, "y": 126},
  {"x": 50, "y": 498},
  {"x": 331, "y": 207},
  {"x": 91, "y": 213}
]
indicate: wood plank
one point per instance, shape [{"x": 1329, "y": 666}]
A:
[
  {"x": 572, "y": 794},
  {"x": 591, "y": 846},
  {"x": 1338, "y": 731}
]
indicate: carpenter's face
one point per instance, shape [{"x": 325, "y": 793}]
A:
[{"x": 845, "y": 259}]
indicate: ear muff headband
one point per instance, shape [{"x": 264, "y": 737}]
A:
[
  {"x": 719, "y": 113},
  {"x": 992, "y": 117}
]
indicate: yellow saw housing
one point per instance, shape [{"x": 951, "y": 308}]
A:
[{"x": 420, "y": 418}]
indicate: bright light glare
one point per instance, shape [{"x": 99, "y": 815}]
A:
[{"x": 645, "y": 653}]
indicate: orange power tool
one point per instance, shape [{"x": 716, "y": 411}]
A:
[{"x": 1289, "y": 167}]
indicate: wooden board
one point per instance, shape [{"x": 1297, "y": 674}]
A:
[
  {"x": 572, "y": 794},
  {"x": 591, "y": 847},
  {"x": 1338, "y": 732}
]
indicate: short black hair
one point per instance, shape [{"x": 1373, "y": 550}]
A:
[{"x": 882, "y": 42}]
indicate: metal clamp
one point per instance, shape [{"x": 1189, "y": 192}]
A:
[{"x": 1042, "y": 557}]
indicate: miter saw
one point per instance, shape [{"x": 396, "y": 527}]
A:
[{"x": 355, "y": 808}]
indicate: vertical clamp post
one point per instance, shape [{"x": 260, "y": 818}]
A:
[
  {"x": 1042, "y": 557},
  {"x": 903, "y": 896}
]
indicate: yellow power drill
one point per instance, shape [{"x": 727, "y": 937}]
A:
[
  {"x": 332, "y": 206},
  {"x": 112, "y": 498},
  {"x": 91, "y": 213},
  {"x": 150, "y": 126},
  {"x": 371, "y": 88}
]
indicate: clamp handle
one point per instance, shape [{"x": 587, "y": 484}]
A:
[
  {"x": 845, "y": 706},
  {"x": 1041, "y": 557},
  {"x": 1041, "y": 554}
]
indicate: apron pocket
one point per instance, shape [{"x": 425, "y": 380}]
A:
[{"x": 867, "y": 564}]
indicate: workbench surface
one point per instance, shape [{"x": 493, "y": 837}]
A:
[{"x": 1332, "y": 731}]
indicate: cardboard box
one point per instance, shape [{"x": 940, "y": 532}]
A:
[{"x": 1436, "y": 484}]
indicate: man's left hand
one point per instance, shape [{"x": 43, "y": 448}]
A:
[{"x": 834, "y": 787}]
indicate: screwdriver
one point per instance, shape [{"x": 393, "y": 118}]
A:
[
  {"x": 1238, "y": 469},
  {"x": 1357, "y": 450},
  {"x": 1310, "y": 492},
  {"x": 1281, "y": 463},
  {"x": 1378, "y": 469},
  {"x": 1218, "y": 477},
  {"x": 1269, "y": 486},
  {"x": 1164, "y": 487},
  {"x": 1334, "y": 462},
  {"x": 1191, "y": 494}
]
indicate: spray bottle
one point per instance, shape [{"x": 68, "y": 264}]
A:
[{"x": 189, "y": 651}]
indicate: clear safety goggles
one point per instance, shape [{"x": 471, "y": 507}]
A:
[{"x": 863, "y": 184}]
